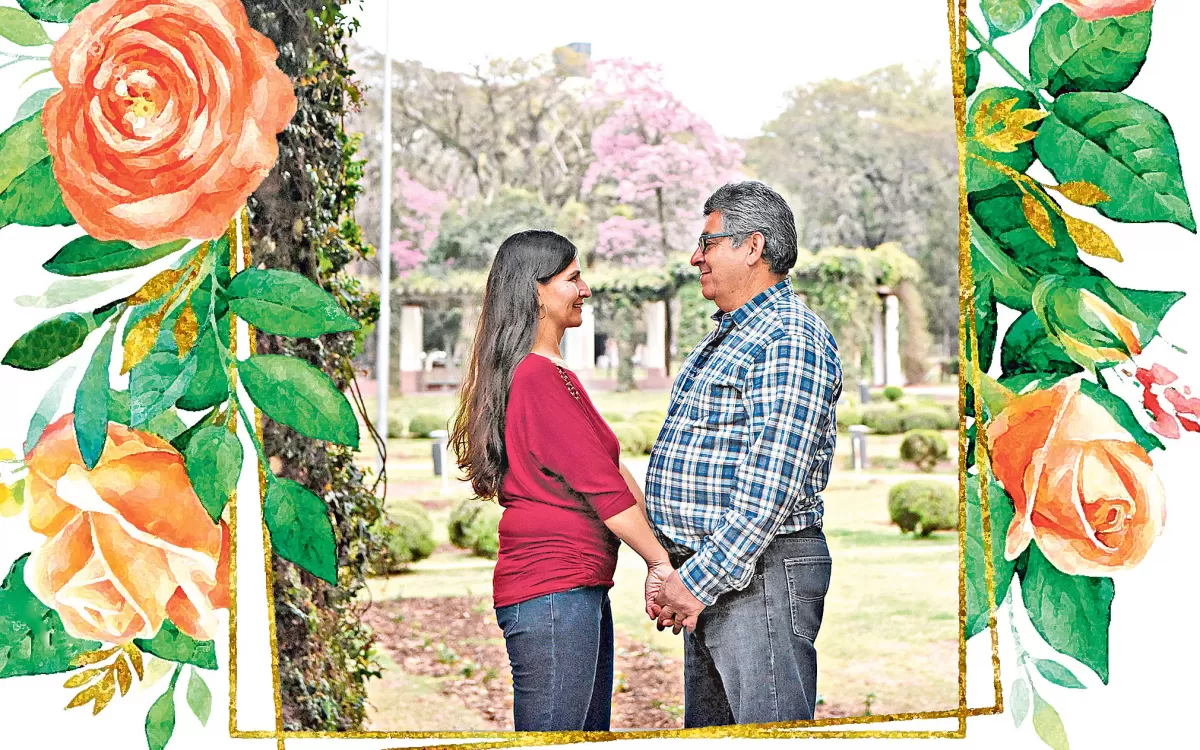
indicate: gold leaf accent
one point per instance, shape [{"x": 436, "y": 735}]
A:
[
  {"x": 1081, "y": 192},
  {"x": 1038, "y": 218},
  {"x": 1012, "y": 124},
  {"x": 79, "y": 679},
  {"x": 186, "y": 329},
  {"x": 86, "y": 695},
  {"x": 140, "y": 341},
  {"x": 156, "y": 287},
  {"x": 92, "y": 657},
  {"x": 124, "y": 676},
  {"x": 135, "y": 658},
  {"x": 108, "y": 689},
  {"x": 1091, "y": 239}
]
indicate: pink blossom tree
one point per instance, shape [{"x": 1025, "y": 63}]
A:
[{"x": 418, "y": 216}]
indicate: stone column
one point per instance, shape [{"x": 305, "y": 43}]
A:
[
  {"x": 655, "y": 356},
  {"x": 878, "y": 365},
  {"x": 579, "y": 345},
  {"x": 893, "y": 374},
  {"x": 411, "y": 347}
]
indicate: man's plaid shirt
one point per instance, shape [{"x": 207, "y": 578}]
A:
[{"x": 748, "y": 441}]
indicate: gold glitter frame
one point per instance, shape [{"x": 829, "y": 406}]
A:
[{"x": 818, "y": 728}]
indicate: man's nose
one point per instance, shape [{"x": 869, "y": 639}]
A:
[{"x": 697, "y": 257}]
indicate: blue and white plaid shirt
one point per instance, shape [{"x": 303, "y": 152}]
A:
[{"x": 748, "y": 441}]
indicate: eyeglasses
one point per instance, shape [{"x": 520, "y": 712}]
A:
[{"x": 703, "y": 246}]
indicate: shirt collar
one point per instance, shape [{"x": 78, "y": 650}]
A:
[{"x": 764, "y": 299}]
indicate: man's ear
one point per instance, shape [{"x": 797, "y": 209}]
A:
[{"x": 757, "y": 245}]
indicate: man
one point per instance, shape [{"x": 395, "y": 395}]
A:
[{"x": 732, "y": 487}]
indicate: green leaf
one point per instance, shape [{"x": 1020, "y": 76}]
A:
[
  {"x": 294, "y": 393},
  {"x": 1048, "y": 724},
  {"x": 1057, "y": 673},
  {"x": 167, "y": 425},
  {"x": 1121, "y": 145},
  {"x": 1011, "y": 287},
  {"x": 84, "y": 256},
  {"x": 32, "y": 637},
  {"x": 173, "y": 645},
  {"x": 160, "y": 719},
  {"x": 34, "y": 103},
  {"x": 22, "y": 29},
  {"x": 210, "y": 385},
  {"x": 156, "y": 383},
  {"x": 1019, "y": 700},
  {"x": 199, "y": 697},
  {"x": 986, "y": 326},
  {"x": 49, "y": 341},
  {"x": 998, "y": 213},
  {"x": 1027, "y": 349},
  {"x": 214, "y": 460},
  {"x": 1121, "y": 412},
  {"x": 1006, "y": 16},
  {"x": 285, "y": 303},
  {"x": 980, "y": 176},
  {"x": 1071, "y": 613},
  {"x": 91, "y": 403},
  {"x": 118, "y": 407},
  {"x": 54, "y": 11},
  {"x": 62, "y": 292},
  {"x": 1000, "y": 511},
  {"x": 1031, "y": 381},
  {"x": 47, "y": 409},
  {"x": 972, "y": 71},
  {"x": 300, "y": 529},
  {"x": 1070, "y": 54},
  {"x": 34, "y": 199}
]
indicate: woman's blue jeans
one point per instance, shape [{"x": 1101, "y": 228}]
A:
[{"x": 560, "y": 647}]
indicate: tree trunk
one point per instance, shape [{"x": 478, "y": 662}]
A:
[{"x": 625, "y": 327}]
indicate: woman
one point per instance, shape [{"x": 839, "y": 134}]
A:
[{"x": 528, "y": 434}]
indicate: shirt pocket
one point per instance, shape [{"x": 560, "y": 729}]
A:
[{"x": 717, "y": 405}]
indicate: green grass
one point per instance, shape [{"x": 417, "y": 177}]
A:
[{"x": 407, "y": 702}]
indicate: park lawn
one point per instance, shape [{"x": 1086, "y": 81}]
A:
[{"x": 412, "y": 702}]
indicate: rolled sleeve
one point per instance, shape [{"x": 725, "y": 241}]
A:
[{"x": 791, "y": 396}]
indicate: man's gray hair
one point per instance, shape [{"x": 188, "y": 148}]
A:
[{"x": 749, "y": 207}]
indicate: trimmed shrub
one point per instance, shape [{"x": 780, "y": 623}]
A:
[
  {"x": 461, "y": 516},
  {"x": 630, "y": 436},
  {"x": 949, "y": 418},
  {"x": 893, "y": 393},
  {"x": 424, "y": 423},
  {"x": 396, "y": 428},
  {"x": 846, "y": 416},
  {"x": 650, "y": 415},
  {"x": 923, "y": 419},
  {"x": 407, "y": 536},
  {"x": 475, "y": 525},
  {"x": 924, "y": 448},
  {"x": 613, "y": 417},
  {"x": 650, "y": 429},
  {"x": 882, "y": 419},
  {"x": 923, "y": 506}
]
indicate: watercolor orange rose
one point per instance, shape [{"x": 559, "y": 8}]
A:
[
  {"x": 1094, "y": 10},
  {"x": 115, "y": 565},
  {"x": 1080, "y": 485},
  {"x": 167, "y": 118}
]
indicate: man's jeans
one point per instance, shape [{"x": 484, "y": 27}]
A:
[
  {"x": 751, "y": 659},
  {"x": 560, "y": 647}
]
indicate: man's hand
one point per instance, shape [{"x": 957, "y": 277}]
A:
[
  {"x": 656, "y": 576},
  {"x": 678, "y": 608}
]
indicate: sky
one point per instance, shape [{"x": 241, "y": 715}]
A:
[{"x": 731, "y": 62}]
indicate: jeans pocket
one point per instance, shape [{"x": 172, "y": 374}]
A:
[
  {"x": 808, "y": 582},
  {"x": 506, "y": 618}
]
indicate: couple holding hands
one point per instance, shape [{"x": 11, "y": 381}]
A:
[{"x": 730, "y": 523}]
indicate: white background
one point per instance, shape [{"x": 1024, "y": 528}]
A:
[{"x": 1150, "y": 699}]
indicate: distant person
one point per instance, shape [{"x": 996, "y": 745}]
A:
[
  {"x": 527, "y": 434},
  {"x": 734, "y": 482}
]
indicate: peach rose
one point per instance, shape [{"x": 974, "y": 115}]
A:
[
  {"x": 1082, "y": 488},
  {"x": 129, "y": 543},
  {"x": 167, "y": 118},
  {"x": 1094, "y": 10}
]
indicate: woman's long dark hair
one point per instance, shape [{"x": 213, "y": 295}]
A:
[{"x": 504, "y": 335}]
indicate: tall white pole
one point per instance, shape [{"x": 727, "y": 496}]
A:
[{"x": 383, "y": 331}]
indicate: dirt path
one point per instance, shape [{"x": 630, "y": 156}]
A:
[{"x": 454, "y": 642}]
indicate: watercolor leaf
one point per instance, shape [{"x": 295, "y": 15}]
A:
[
  {"x": 1009, "y": 283},
  {"x": 1048, "y": 724},
  {"x": 294, "y": 393},
  {"x": 1080, "y": 191},
  {"x": 1019, "y": 700},
  {"x": 214, "y": 460},
  {"x": 32, "y": 637},
  {"x": 972, "y": 72},
  {"x": 1072, "y": 613},
  {"x": 1039, "y": 219},
  {"x": 1002, "y": 128},
  {"x": 91, "y": 403},
  {"x": 986, "y": 324},
  {"x": 167, "y": 425},
  {"x": 1122, "y": 413},
  {"x": 210, "y": 386},
  {"x": 156, "y": 384},
  {"x": 63, "y": 292},
  {"x": 1057, "y": 674},
  {"x": 29, "y": 193},
  {"x": 1068, "y": 54},
  {"x": 160, "y": 719},
  {"x": 47, "y": 409},
  {"x": 1090, "y": 238},
  {"x": 22, "y": 29},
  {"x": 285, "y": 303},
  {"x": 981, "y": 176},
  {"x": 300, "y": 529},
  {"x": 1007, "y": 16},
  {"x": 33, "y": 103},
  {"x": 1000, "y": 511},
  {"x": 1027, "y": 348},
  {"x": 54, "y": 11},
  {"x": 1123, "y": 146},
  {"x": 199, "y": 697},
  {"x": 999, "y": 214},
  {"x": 173, "y": 645},
  {"x": 49, "y": 341},
  {"x": 84, "y": 255}
]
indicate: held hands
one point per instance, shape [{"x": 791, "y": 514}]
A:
[{"x": 672, "y": 604}]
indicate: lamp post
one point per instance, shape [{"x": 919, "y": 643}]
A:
[{"x": 383, "y": 330}]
